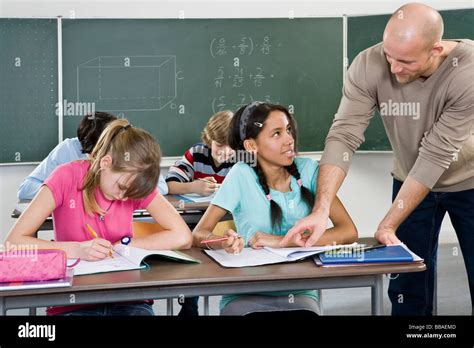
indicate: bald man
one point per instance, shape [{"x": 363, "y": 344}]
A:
[{"x": 422, "y": 87}]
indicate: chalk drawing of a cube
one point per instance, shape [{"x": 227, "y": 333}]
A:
[{"x": 127, "y": 83}]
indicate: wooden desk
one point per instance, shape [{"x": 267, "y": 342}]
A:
[{"x": 168, "y": 279}]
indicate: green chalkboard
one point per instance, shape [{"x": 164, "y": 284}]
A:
[
  {"x": 28, "y": 89},
  {"x": 170, "y": 76},
  {"x": 366, "y": 31}
]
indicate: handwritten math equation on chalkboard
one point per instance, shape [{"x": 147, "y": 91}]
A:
[
  {"x": 245, "y": 46},
  {"x": 234, "y": 73}
]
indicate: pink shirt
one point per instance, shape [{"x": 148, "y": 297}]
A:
[{"x": 70, "y": 218}]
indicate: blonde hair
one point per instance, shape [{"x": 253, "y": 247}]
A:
[
  {"x": 134, "y": 151},
  {"x": 217, "y": 128}
]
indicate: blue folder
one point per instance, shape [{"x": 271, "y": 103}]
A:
[{"x": 392, "y": 253}]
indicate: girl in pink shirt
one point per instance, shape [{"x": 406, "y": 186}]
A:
[{"x": 120, "y": 177}]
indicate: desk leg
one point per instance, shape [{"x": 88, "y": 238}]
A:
[
  {"x": 3, "y": 310},
  {"x": 169, "y": 306},
  {"x": 435, "y": 294},
  {"x": 206, "y": 305},
  {"x": 377, "y": 295}
]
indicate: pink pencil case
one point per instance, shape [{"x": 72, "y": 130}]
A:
[{"x": 32, "y": 265}]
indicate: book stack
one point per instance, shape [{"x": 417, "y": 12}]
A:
[{"x": 372, "y": 255}]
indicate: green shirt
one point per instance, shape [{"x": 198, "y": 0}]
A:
[{"x": 242, "y": 195}]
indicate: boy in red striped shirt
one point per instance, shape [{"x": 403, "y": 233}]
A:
[{"x": 204, "y": 166}]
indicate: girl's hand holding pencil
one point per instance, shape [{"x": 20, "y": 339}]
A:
[
  {"x": 231, "y": 242},
  {"x": 95, "y": 249}
]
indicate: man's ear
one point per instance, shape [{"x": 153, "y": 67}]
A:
[
  {"x": 250, "y": 145},
  {"x": 437, "y": 49},
  {"x": 106, "y": 162}
]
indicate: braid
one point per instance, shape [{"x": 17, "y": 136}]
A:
[
  {"x": 275, "y": 210},
  {"x": 306, "y": 194},
  {"x": 293, "y": 170},
  {"x": 261, "y": 179}
]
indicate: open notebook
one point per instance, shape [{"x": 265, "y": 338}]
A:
[
  {"x": 128, "y": 258},
  {"x": 266, "y": 256},
  {"x": 56, "y": 283}
]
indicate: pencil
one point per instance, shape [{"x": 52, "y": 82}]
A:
[
  {"x": 216, "y": 240},
  {"x": 94, "y": 235},
  {"x": 92, "y": 232},
  {"x": 372, "y": 247},
  {"x": 357, "y": 248}
]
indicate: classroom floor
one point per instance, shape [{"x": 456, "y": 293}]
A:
[{"x": 453, "y": 292}]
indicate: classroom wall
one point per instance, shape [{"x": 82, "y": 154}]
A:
[{"x": 367, "y": 189}]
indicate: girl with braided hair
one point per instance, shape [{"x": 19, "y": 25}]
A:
[{"x": 266, "y": 198}]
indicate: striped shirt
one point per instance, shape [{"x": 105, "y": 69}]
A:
[{"x": 197, "y": 163}]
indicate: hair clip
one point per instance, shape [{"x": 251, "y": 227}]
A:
[
  {"x": 269, "y": 197},
  {"x": 127, "y": 126},
  {"x": 245, "y": 117},
  {"x": 258, "y": 124}
]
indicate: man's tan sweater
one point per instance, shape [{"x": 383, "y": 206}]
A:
[{"x": 430, "y": 123}]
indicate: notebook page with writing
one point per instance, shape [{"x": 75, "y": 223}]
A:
[
  {"x": 127, "y": 258},
  {"x": 109, "y": 264},
  {"x": 266, "y": 256},
  {"x": 138, "y": 255},
  {"x": 248, "y": 257}
]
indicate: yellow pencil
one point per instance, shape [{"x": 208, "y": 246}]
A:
[{"x": 94, "y": 234}]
